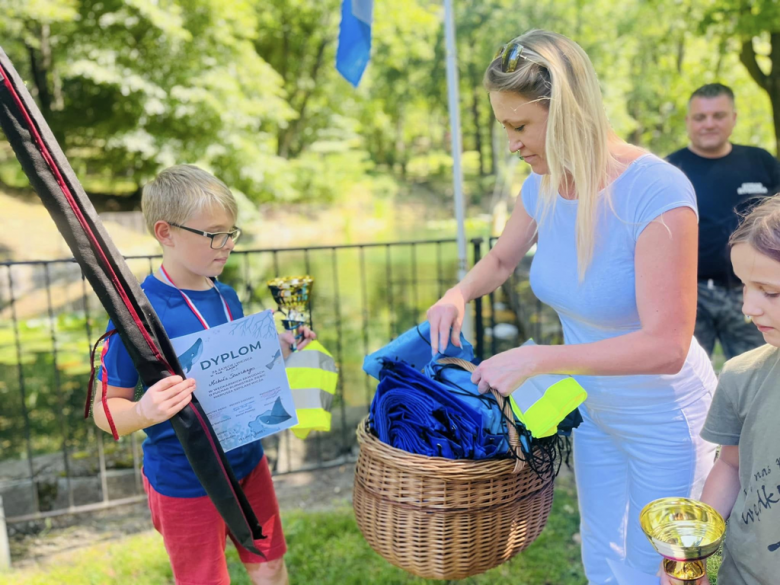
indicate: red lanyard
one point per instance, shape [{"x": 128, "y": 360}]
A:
[{"x": 191, "y": 305}]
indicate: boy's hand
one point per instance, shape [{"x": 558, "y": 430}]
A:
[
  {"x": 165, "y": 398},
  {"x": 301, "y": 337}
]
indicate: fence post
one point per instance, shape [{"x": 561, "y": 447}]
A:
[
  {"x": 479, "y": 325},
  {"x": 5, "y": 550}
]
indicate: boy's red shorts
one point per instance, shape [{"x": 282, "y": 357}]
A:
[{"x": 195, "y": 534}]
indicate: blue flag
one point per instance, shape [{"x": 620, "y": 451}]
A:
[{"x": 354, "y": 49}]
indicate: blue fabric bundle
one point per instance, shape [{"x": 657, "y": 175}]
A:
[
  {"x": 414, "y": 348},
  {"x": 458, "y": 382},
  {"x": 412, "y": 412},
  {"x": 428, "y": 408}
]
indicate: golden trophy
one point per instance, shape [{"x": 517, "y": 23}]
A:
[
  {"x": 292, "y": 294},
  {"x": 685, "y": 532}
]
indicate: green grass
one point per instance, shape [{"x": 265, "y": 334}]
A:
[
  {"x": 713, "y": 565},
  {"x": 324, "y": 548}
]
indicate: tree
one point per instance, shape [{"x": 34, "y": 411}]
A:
[
  {"x": 752, "y": 24},
  {"x": 130, "y": 86},
  {"x": 298, "y": 39}
]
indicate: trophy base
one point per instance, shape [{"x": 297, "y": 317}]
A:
[
  {"x": 685, "y": 572},
  {"x": 292, "y": 324}
]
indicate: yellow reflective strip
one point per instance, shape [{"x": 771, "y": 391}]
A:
[
  {"x": 559, "y": 400},
  {"x": 312, "y": 419},
  {"x": 312, "y": 378},
  {"x": 300, "y": 433}
]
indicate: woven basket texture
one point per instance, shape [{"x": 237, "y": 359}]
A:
[{"x": 446, "y": 519}]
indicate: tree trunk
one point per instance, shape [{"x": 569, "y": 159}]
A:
[
  {"x": 680, "y": 52},
  {"x": 293, "y": 130},
  {"x": 475, "y": 94},
  {"x": 769, "y": 82},
  {"x": 40, "y": 64},
  {"x": 774, "y": 87},
  {"x": 281, "y": 137},
  {"x": 775, "y": 99},
  {"x": 400, "y": 145},
  {"x": 478, "y": 132},
  {"x": 41, "y": 71}
]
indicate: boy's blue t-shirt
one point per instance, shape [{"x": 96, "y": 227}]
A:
[{"x": 165, "y": 464}]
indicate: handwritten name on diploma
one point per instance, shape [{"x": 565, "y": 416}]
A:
[{"x": 242, "y": 374}]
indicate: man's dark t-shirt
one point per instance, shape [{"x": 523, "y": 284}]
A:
[{"x": 725, "y": 187}]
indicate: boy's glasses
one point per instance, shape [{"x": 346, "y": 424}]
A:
[{"x": 218, "y": 239}]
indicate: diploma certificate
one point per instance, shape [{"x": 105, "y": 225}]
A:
[{"x": 241, "y": 379}]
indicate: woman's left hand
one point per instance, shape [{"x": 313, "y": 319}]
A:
[
  {"x": 288, "y": 338},
  {"x": 508, "y": 370}
]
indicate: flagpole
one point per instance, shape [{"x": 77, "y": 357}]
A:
[{"x": 453, "y": 99}]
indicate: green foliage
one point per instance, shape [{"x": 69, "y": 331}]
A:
[
  {"x": 752, "y": 30},
  {"x": 249, "y": 89},
  {"x": 132, "y": 85},
  {"x": 55, "y": 384}
]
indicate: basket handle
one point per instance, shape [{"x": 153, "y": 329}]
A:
[{"x": 503, "y": 403}]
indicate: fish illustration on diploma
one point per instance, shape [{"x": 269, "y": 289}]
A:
[
  {"x": 189, "y": 357},
  {"x": 275, "y": 416},
  {"x": 270, "y": 365}
]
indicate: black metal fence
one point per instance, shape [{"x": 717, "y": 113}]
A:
[{"x": 53, "y": 462}]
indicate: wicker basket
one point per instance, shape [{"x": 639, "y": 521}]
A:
[{"x": 442, "y": 518}]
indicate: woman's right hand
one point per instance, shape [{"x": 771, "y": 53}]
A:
[
  {"x": 444, "y": 317},
  {"x": 165, "y": 398}
]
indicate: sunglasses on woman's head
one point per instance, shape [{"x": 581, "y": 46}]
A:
[{"x": 510, "y": 55}]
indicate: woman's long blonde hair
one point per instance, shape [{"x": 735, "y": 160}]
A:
[{"x": 556, "y": 72}]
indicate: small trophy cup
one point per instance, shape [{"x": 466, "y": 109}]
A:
[
  {"x": 292, "y": 294},
  {"x": 685, "y": 532}
]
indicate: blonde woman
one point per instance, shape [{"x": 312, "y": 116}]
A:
[{"x": 616, "y": 234}]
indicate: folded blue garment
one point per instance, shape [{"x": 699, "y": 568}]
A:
[
  {"x": 458, "y": 381},
  {"x": 419, "y": 415},
  {"x": 414, "y": 348},
  {"x": 434, "y": 409}
]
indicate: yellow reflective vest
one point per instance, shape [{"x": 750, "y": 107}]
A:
[
  {"x": 312, "y": 375},
  {"x": 541, "y": 408}
]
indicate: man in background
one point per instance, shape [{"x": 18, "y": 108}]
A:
[{"x": 728, "y": 179}]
